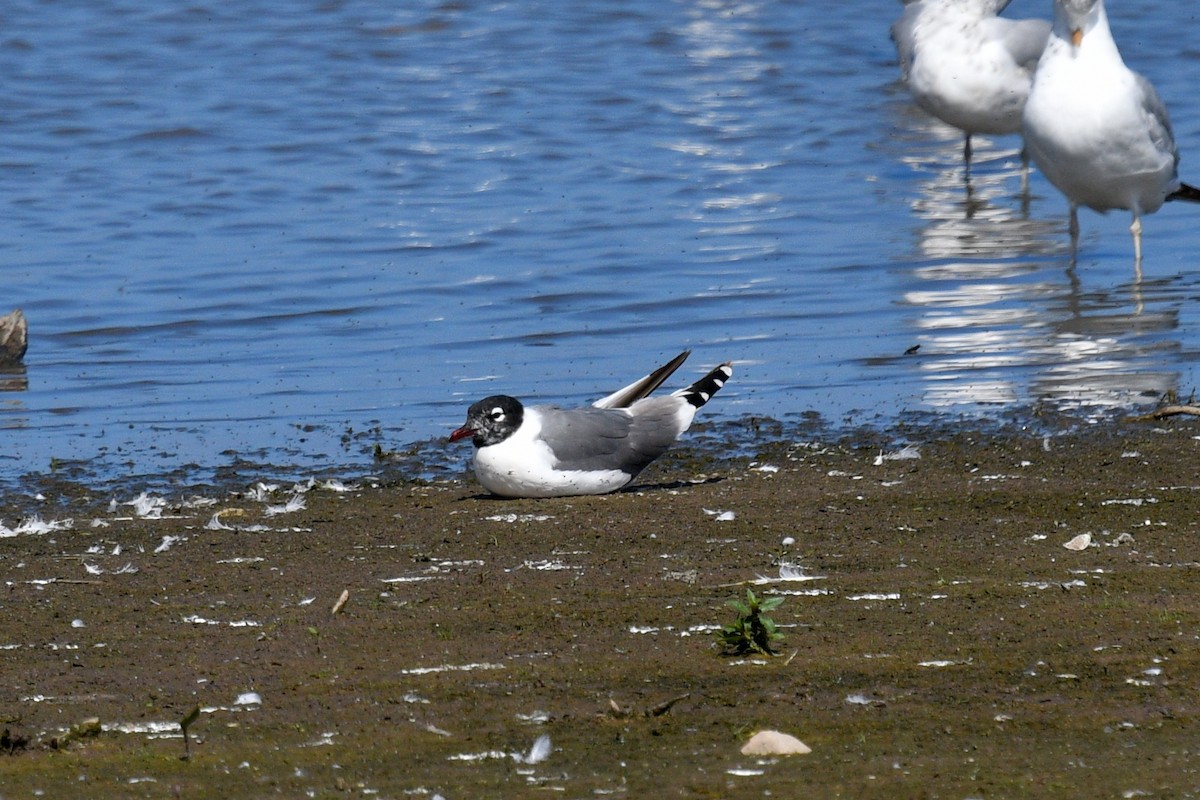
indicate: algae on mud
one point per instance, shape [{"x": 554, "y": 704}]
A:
[{"x": 952, "y": 646}]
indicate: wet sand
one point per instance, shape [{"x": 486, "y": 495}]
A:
[{"x": 944, "y": 644}]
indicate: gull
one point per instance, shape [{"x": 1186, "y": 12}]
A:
[
  {"x": 1097, "y": 129},
  {"x": 547, "y": 451},
  {"x": 968, "y": 67}
]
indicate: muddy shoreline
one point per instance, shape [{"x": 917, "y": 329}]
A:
[{"x": 942, "y": 643}]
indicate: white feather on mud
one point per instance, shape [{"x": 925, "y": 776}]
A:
[
  {"x": 36, "y": 526},
  {"x": 147, "y": 506},
  {"x": 906, "y": 453},
  {"x": 168, "y": 542},
  {"x": 295, "y": 503},
  {"x": 538, "y": 753}
]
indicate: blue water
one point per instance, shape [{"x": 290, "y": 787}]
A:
[{"x": 287, "y": 232}]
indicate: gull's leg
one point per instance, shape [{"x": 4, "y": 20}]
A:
[
  {"x": 970, "y": 202},
  {"x": 1073, "y": 227},
  {"x": 1024, "y": 180},
  {"x": 1136, "y": 230}
]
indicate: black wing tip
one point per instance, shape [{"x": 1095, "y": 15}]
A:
[
  {"x": 1185, "y": 192},
  {"x": 702, "y": 390}
]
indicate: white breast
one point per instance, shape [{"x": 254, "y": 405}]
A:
[
  {"x": 1089, "y": 132},
  {"x": 523, "y": 466}
]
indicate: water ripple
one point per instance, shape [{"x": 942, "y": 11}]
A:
[{"x": 240, "y": 232}]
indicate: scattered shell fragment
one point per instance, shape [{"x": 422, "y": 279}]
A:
[
  {"x": 341, "y": 601},
  {"x": 1080, "y": 542},
  {"x": 513, "y": 518},
  {"x": 774, "y": 743}
]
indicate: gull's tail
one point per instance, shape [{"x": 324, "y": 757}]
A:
[
  {"x": 1185, "y": 192},
  {"x": 702, "y": 390}
]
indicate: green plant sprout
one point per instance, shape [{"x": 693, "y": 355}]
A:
[{"x": 752, "y": 632}]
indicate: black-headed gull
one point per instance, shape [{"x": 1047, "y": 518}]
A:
[
  {"x": 547, "y": 451},
  {"x": 1097, "y": 129},
  {"x": 966, "y": 66}
]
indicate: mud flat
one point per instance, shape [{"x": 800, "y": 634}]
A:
[{"x": 941, "y": 639}]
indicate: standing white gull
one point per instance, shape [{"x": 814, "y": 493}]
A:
[
  {"x": 967, "y": 66},
  {"x": 1097, "y": 129},
  {"x": 547, "y": 451}
]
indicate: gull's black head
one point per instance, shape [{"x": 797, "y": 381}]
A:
[{"x": 491, "y": 420}]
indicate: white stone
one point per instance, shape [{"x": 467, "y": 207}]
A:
[{"x": 774, "y": 743}]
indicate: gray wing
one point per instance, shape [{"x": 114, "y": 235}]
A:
[
  {"x": 1159, "y": 120},
  {"x": 601, "y": 438},
  {"x": 1025, "y": 39},
  {"x": 904, "y": 35}
]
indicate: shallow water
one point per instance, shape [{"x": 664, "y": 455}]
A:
[{"x": 286, "y": 237}]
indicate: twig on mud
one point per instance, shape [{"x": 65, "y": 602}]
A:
[
  {"x": 1168, "y": 411},
  {"x": 662, "y": 708},
  {"x": 617, "y": 712}
]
